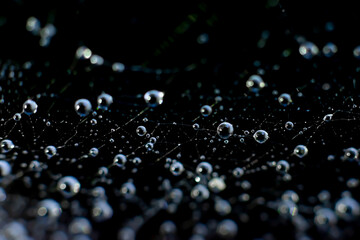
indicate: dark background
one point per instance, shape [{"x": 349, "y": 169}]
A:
[{"x": 137, "y": 34}]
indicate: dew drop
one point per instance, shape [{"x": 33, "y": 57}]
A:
[
  {"x": 227, "y": 229},
  {"x": 289, "y": 125},
  {"x": 255, "y": 83},
  {"x": 141, "y": 131},
  {"x": 200, "y": 193},
  {"x": 5, "y": 168},
  {"x": 285, "y": 99},
  {"x": 101, "y": 211},
  {"x": 17, "y": 117},
  {"x": 217, "y": 184},
  {"x": 347, "y": 208},
  {"x": 225, "y": 130},
  {"x": 329, "y": 49},
  {"x": 104, "y": 101},
  {"x": 282, "y": 166},
  {"x": 68, "y": 186},
  {"x": 6, "y": 145},
  {"x": 351, "y": 153},
  {"x": 238, "y": 172},
  {"x": 83, "y": 107},
  {"x": 30, "y": 107},
  {"x": 177, "y": 168},
  {"x": 49, "y": 208},
  {"x": 128, "y": 189},
  {"x": 328, "y": 117},
  {"x": 149, "y": 146},
  {"x": 205, "y": 110},
  {"x": 154, "y": 98},
  {"x": 308, "y": 50},
  {"x": 152, "y": 140},
  {"x": 50, "y": 151},
  {"x": 93, "y": 152},
  {"x": 261, "y": 136},
  {"x": 120, "y": 159},
  {"x": 356, "y": 52},
  {"x": 301, "y": 151},
  {"x": 204, "y": 168}
]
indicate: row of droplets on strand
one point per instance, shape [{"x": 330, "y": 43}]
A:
[{"x": 154, "y": 98}]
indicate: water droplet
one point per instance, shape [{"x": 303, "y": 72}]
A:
[
  {"x": 68, "y": 186},
  {"x": 83, "y": 53},
  {"x": 96, "y": 60},
  {"x": 255, "y": 83},
  {"x": 101, "y": 211},
  {"x": 6, "y": 145},
  {"x": 204, "y": 168},
  {"x": 136, "y": 161},
  {"x": 328, "y": 117},
  {"x": 167, "y": 228},
  {"x": 356, "y": 52},
  {"x": 225, "y": 130},
  {"x": 203, "y": 38},
  {"x": 329, "y": 49},
  {"x": 80, "y": 225},
  {"x": 200, "y": 193},
  {"x": 308, "y": 50},
  {"x": 238, "y": 172},
  {"x": 222, "y": 207},
  {"x": 5, "y": 168},
  {"x": 290, "y": 195},
  {"x": 227, "y": 229},
  {"x": 17, "y": 117},
  {"x": 2, "y": 195},
  {"x": 351, "y": 153},
  {"x": 33, "y": 25},
  {"x": 93, "y": 121},
  {"x": 154, "y": 98},
  {"x": 206, "y": 110},
  {"x": 149, "y": 146},
  {"x": 141, "y": 131},
  {"x": 282, "y": 166},
  {"x": 120, "y": 159},
  {"x": 325, "y": 216},
  {"x": 289, "y": 125},
  {"x": 30, "y": 107},
  {"x": 83, "y": 107},
  {"x": 217, "y": 184},
  {"x": 128, "y": 189},
  {"x": 196, "y": 126},
  {"x": 104, "y": 101},
  {"x": 301, "y": 151},
  {"x": 287, "y": 208},
  {"x": 118, "y": 67},
  {"x": 50, "y": 151},
  {"x": 285, "y": 99},
  {"x": 49, "y": 208},
  {"x": 347, "y": 208},
  {"x": 261, "y": 136},
  {"x": 93, "y": 152},
  {"x": 177, "y": 168}
]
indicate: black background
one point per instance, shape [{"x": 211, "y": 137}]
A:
[{"x": 133, "y": 33}]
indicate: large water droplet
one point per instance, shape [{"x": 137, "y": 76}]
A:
[
  {"x": 225, "y": 130},
  {"x": 30, "y": 107},
  {"x": 154, "y": 98},
  {"x": 83, "y": 107}
]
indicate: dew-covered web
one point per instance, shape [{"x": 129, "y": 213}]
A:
[{"x": 207, "y": 138}]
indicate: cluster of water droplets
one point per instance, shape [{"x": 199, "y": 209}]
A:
[{"x": 99, "y": 161}]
